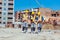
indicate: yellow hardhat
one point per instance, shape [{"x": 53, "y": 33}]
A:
[
  {"x": 26, "y": 11},
  {"x": 39, "y": 13},
  {"x": 33, "y": 12}
]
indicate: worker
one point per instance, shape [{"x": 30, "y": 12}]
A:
[
  {"x": 25, "y": 22},
  {"x": 32, "y": 22},
  {"x": 39, "y": 24}
]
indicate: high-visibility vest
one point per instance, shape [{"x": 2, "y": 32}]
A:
[
  {"x": 25, "y": 17},
  {"x": 39, "y": 13},
  {"x": 33, "y": 18},
  {"x": 33, "y": 12},
  {"x": 26, "y": 11}
]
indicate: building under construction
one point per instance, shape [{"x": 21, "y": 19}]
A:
[{"x": 49, "y": 15}]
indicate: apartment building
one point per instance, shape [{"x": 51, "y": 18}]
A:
[{"x": 6, "y": 13}]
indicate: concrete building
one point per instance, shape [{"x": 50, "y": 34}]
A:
[
  {"x": 18, "y": 19},
  {"x": 18, "y": 16},
  {"x": 6, "y": 13},
  {"x": 48, "y": 13}
]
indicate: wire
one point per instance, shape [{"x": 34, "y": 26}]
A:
[{"x": 38, "y": 3}]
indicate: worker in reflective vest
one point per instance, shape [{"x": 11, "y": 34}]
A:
[
  {"x": 39, "y": 23},
  {"x": 32, "y": 22},
  {"x": 25, "y": 23}
]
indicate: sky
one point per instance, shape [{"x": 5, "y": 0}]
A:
[{"x": 27, "y": 4}]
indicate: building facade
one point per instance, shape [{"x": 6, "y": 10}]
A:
[{"x": 6, "y": 12}]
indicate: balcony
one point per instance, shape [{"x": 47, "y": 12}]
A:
[
  {"x": 10, "y": 15},
  {"x": 10, "y": 10},
  {"x": 10, "y": 1},
  {"x": 10, "y": 20},
  {"x": 10, "y": 6}
]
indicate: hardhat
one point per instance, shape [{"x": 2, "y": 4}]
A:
[
  {"x": 26, "y": 11},
  {"x": 33, "y": 12},
  {"x": 39, "y": 13}
]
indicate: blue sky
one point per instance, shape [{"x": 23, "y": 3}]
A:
[{"x": 27, "y": 4}]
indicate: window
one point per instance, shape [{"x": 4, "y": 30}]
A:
[
  {"x": 57, "y": 13},
  {"x": 4, "y": 9},
  {"x": 0, "y": 2},
  {"x": 4, "y": 18},
  {"x": 4, "y": 0},
  {"x": 0, "y": 7},
  {"x": 53, "y": 15},
  {"x": 4, "y": 4},
  {"x": 0, "y": 22},
  {"x": 4, "y": 13},
  {"x": 10, "y": 13},
  {"x": 10, "y": 3},
  {"x": 0, "y": 17},
  {"x": 10, "y": 18},
  {"x": 3, "y": 22},
  {"x": 10, "y": 8},
  {"x": 0, "y": 12}
]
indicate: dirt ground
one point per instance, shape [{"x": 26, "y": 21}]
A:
[{"x": 17, "y": 34}]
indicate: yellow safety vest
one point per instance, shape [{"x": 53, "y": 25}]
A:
[
  {"x": 25, "y": 17},
  {"x": 33, "y": 18}
]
